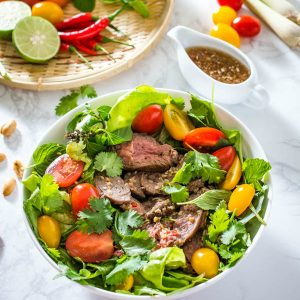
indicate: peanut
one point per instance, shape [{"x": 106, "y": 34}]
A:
[
  {"x": 9, "y": 186},
  {"x": 9, "y": 128},
  {"x": 18, "y": 168},
  {"x": 2, "y": 157}
]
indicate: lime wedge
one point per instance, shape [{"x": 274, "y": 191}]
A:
[
  {"x": 36, "y": 39},
  {"x": 11, "y": 12}
]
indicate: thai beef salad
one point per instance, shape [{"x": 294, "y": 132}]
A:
[{"x": 145, "y": 198}]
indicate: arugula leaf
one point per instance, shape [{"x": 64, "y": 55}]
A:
[
  {"x": 234, "y": 137},
  {"x": 210, "y": 199},
  {"x": 219, "y": 222},
  {"x": 126, "y": 221},
  {"x": 97, "y": 219},
  {"x": 109, "y": 162},
  {"x": 46, "y": 154},
  {"x": 178, "y": 192},
  {"x": 164, "y": 138},
  {"x": 138, "y": 243},
  {"x": 75, "y": 151},
  {"x": 254, "y": 171},
  {"x": 205, "y": 166},
  {"x": 130, "y": 104},
  {"x": 124, "y": 269},
  {"x": 68, "y": 102}
]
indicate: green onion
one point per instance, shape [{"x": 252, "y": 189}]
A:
[{"x": 287, "y": 30}]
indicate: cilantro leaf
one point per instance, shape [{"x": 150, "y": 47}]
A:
[
  {"x": 254, "y": 171},
  {"x": 97, "y": 219},
  {"x": 178, "y": 192},
  {"x": 184, "y": 175},
  {"x": 124, "y": 269},
  {"x": 219, "y": 223},
  {"x": 109, "y": 162},
  {"x": 126, "y": 221},
  {"x": 210, "y": 199},
  {"x": 205, "y": 166},
  {"x": 230, "y": 234},
  {"x": 138, "y": 243},
  {"x": 68, "y": 102}
]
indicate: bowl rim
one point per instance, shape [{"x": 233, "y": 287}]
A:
[{"x": 184, "y": 293}]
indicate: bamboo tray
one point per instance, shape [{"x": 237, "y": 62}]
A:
[{"x": 67, "y": 71}]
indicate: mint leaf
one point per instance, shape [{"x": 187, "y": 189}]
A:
[
  {"x": 97, "y": 219},
  {"x": 109, "y": 162},
  {"x": 254, "y": 170},
  {"x": 138, "y": 243},
  {"x": 178, "y": 192}
]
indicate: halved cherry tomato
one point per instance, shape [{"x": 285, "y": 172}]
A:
[
  {"x": 49, "y": 231},
  {"x": 203, "y": 137},
  {"x": 49, "y": 11},
  {"x": 226, "y": 33},
  {"x": 127, "y": 284},
  {"x": 226, "y": 157},
  {"x": 247, "y": 26},
  {"x": 235, "y": 4},
  {"x": 92, "y": 248},
  {"x": 149, "y": 120},
  {"x": 205, "y": 261},
  {"x": 241, "y": 198},
  {"x": 80, "y": 196},
  {"x": 65, "y": 170},
  {"x": 177, "y": 122},
  {"x": 233, "y": 176},
  {"x": 225, "y": 14}
]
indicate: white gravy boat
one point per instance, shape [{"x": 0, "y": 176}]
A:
[{"x": 249, "y": 92}]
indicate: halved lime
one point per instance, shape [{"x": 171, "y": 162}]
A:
[
  {"x": 11, "y": 12},
  {"x": 36, "y": 39}
]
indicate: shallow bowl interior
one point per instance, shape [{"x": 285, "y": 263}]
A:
[{"x": 251, "y": 148}]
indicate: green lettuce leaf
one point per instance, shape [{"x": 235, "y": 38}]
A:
[{"x": 75, "y": 151}]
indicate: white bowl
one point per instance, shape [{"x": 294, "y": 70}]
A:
[{"x": 251, "y": 148}]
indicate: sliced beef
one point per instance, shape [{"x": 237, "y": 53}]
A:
[
  {"x": 134, "y": 181},
  {"x": 189, "y": 220},
  {"x": 113, "y": 188},
  {"x": 144, "y": 153},
  {"x": 193, "y": 244},
  {"x": 158, "y": 207},
  {"x": 134, "y": 205},
  {"x": 196, "y": 188}
]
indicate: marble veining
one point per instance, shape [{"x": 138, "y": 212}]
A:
[{"x": 272, "y": 269}]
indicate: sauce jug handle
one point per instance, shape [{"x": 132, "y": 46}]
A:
[{"x": 258, "y": 99}]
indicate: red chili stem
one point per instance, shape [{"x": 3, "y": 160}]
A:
[
  {"x": 93, "y": 44},
  {"x": 104, "y": 39},
  {"x": 119, "y": 31}
]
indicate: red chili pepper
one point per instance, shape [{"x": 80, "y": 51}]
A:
[
  {"x": 93, "y": 44},
  {"x": 83, "y": 48},
  {"x": 71, "y": 22},
  {"x": 64, "y": 47}
]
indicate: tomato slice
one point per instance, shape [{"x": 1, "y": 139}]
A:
[
  {"x": 203, "y": 137},
  {"x": 233, "y": 176},
  {"x": 226, "y": 157},
  {"x": 80, "y": 196},
  {"x": 177, "y": 122},
  {"x": 65, "y": 170},
  {"x": 149, "y": 120},
  {"x": 92, "y": 248}
]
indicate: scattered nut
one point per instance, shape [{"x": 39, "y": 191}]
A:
[
  {"x": 2, "y": 157},
  {"x": 9, "y": 128},
  {"x": 18, "y": 168},
  {"x": 9, "y": 186}
]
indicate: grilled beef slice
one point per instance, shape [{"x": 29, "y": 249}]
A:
[
  {"x": 134, "y": 205},
  {"x": 113, "y": 188},
  {"x": 193, "y": 244},
  {"x": 158, "y": 207},
  {"x": 133, "y": 179},
  {"x": 144, "y": 153}
]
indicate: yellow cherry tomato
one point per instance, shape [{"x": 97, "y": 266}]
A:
[
  {"x": 225, "y": 15},
  {"x": 233, "y": 175},
  {"x": 241, "y": 198},
  {"x": 205, "y": 261},
  {"x": 177, "y": 122},
  {"x": 226, "y": 33},
  {"x": 61, "y": 3},
  {"x": 127, "y": 284},
  {"x": 49, "y": 231},
  {"x": 49, "y": 11}
]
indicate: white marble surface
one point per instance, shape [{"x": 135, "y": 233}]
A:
[{"x": 272, "y": 270}]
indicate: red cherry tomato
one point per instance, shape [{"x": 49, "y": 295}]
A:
[
  {"x": 80, "y": 196},
  {"x": 90, "y": 248},
  {"x": 149, "y": 120},
  {"x": 247, "y": 26},
  {"x": 235, "y": 4},
  {"x": 226, "y": 156},
  {"x": 203, "y": 137},
  {"x": 65, "y": 170}
]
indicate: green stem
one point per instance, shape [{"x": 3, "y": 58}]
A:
[
  {"x": 109, "y": 40},
  {"x": 259, "y": 218},
  {"x": 74, "y": 50}
]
